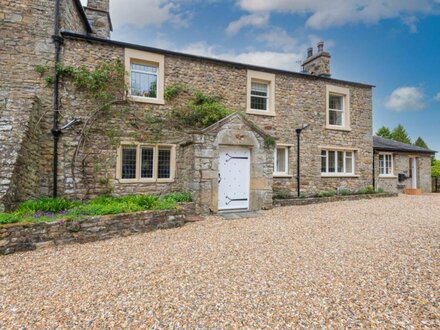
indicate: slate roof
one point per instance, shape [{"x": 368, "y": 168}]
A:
[{"x": 382, "y": 144}]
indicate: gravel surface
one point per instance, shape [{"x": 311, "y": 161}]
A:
[{"x": 368, "y": 263}]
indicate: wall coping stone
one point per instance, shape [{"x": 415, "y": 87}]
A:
[{"x": 318, "y": 200}]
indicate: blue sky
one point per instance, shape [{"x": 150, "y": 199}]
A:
[{"x": 393, "y": 44}]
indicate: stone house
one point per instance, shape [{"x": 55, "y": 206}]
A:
[
  {"x": 402, "y": 167},
  {"x": 232, "y": 164}
]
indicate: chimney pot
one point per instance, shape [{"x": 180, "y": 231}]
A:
[
  {"x": 320, "y": 46},
  {"x": 309, "y": 52}
]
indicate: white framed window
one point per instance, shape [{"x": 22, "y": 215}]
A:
[
  {"x": 386, "y": 165},
  {"x": 337, "y": 162},
  {"x": 260, "y": 93},
  {"x": 146, "y": 163},
  {"x": 338, "y": 108},
  {"x": 145, "y": 76},
  {"x": 281, "y": 161}
]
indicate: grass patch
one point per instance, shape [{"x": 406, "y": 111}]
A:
[{"x": 50, "y": 209}]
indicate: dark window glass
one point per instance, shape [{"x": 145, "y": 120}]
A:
[
  {"x": 128, "y": 163},
  {"x": 147, "y": 163},
  {"x": 164, "y": 163}
]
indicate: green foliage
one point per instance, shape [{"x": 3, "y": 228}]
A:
[
  {"x": 420, "y": 143},
  {"x": 283, "y": 194},
  {"x": 435, "y": 170},
  {"x": 52, "y": 205},
  {"x": 329, "y": 193},
  {"x": 366, "y": 190},
  {"x": 178, "y": 197},
  {"x": 302, "y": 195},
  {"x": 50, "y": 209},
  {"x": 399, "y": 134},
  {"x": 344, "y": 192},
  {"x": 173, "y": 91},
  {"x": 41, "y": 69},
  {"x": 269, "y": 142},
  {"x": 380, "y": 190},
  {"x": 384, "y": 132},
  {"x": 202, "y": 111}
]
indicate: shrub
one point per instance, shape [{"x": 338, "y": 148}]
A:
[
  {"x": 380, "y": 190},
  {"x": 9, "y": 218},
  {"x": 282, "y": 194},
  {"x": 49, "y": 205},
  {"x": 178, "y": 197},
  {"x": 329, "y": 193},
  {"x": 366, "y": 190},
  {"x": 344, "y": 192}
]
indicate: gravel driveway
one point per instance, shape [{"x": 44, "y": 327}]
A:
[{"x": 370, "y": 263}]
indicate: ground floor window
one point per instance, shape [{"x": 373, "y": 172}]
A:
[
  {"x": 281, "y": 161},
  {"x": 138, "y": 162},
  {"x": 337, "y": 162},
  {"x": 386, "y": 164}
]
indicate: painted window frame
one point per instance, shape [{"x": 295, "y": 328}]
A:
[
  {"x": 275, "y": 161},
  {"x": 383, "y": 165},
  {"x": 141, "y": 57},
  {"x": 345, "y": 93},
  {"x": 139, "y": 146},
  {"x": 337, "y": 173},
  {"x": 265, "y": 78}
]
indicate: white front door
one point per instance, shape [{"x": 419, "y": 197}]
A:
[
  {"x": 414, "y": 173},
  {"x": 234, "y": 178}
]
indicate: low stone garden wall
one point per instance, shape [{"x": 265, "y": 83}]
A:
[
  {"x": 317, "y": 200},
  {"x": 30, "y": 236}
]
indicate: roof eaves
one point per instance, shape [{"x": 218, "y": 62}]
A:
[{"x": 74, "y": 35}]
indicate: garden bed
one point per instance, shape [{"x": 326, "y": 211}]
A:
[
  {"x": 337, "y": 198},
  {"x": 25, "y": 236}
]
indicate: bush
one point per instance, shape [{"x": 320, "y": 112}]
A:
[
  {"x": 49, "y": 205},
  {"x": 380, "y": 190},
  {"x": 344, "y": 192},
  {"x": 9, "y": 218},
  {"x": 366, "y": 190},
  {"x": 329, "y": 193},
  {"x": 178, "y": 197},
  {"x": 282, "y": 194}
]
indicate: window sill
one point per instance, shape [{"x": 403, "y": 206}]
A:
[
  {"x": 338, "y": 128},
  {"x": 150, "y": 100},
  {"x": 383, "y": 176},
  {"x": 339, "y": 176},
  {"x": 281, "y": 175},
  {"x": 260, "y": 113}
]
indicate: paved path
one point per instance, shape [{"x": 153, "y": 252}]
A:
[{"x": 370, "y": 263}]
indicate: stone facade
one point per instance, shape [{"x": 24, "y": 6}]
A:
[
  {"x": 299, "y": 99},
  {"x": 30, "y": 236},
  {"x": 401, "y": 162}
]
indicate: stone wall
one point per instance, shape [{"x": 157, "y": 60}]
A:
[
  {"x": 30, "y": 236},
  {"x": 70, "y": 17},
  {"x": 402, "y": 165}
]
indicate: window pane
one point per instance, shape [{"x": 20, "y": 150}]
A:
[
  {"x": 331, "y": 161},
  {"x": 340, "y": 162},
  {"x": 147, "y": 163},
  {"x": 128, "y": 163},
  {"x": 335, "y": 117},
  {"x": 259, "y": 89},
  {"x": 323, "y": 161},
  {"x": 349, "y": 162},
  {"x": 281, "y": 160},
  {"x": 258, "y": 103},
  {"x": 336, "y": 102},
  {"x": 164, "y": 163},
  {"x": 143, "y": 80}
]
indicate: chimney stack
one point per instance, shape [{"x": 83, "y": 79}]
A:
[
  {"x": 98, "y": 14},
  {"x": 318, "y": 64}
]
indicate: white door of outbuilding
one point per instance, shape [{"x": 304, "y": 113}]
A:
[{"x": 234, "y": 178}]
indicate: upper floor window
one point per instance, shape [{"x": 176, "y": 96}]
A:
[
  {"x": 260, "y": 93},
  {"x": 143, "y": 80},
  {"x": 338, "y": 108},
  {"x": 386, "y": 164},
  {"x": 337, "y": 162},
  {"x": 146, "y": 76}
]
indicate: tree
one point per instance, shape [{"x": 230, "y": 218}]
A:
[
  {"x": 420, "y": 143},
  {"x": 384, "y": 132},
  {"x": 435, "y": 170},
  {"x": 399, "y": 134}
]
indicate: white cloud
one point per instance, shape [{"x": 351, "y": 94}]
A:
[
  {"x": 437, "y": 97},
  {"x": 411, "y": 22},
  {"x": 324, "y": 13},
  {"x": 278, "y": 60},
  {"x": 278, "y": 38},
  {"x": 406, "y": 99},
  {"x": 255, "y": 20}
]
